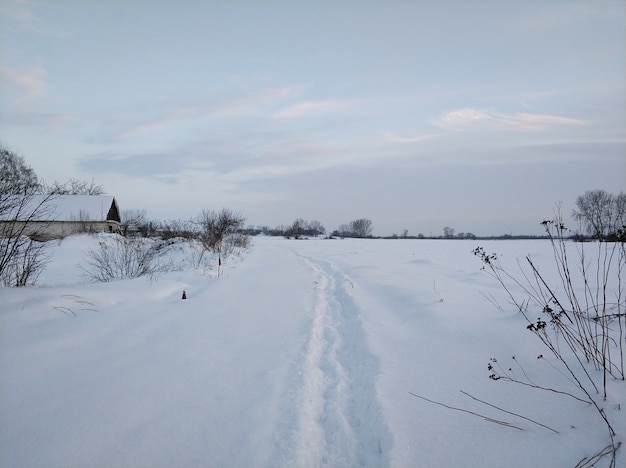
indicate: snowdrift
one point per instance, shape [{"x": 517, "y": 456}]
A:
[{"x": 318, "y": 352}]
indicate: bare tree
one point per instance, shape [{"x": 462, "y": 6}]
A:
[
  {"x": 215, "y": 226},
  {"x": 316, "y": 228},
  {"x": 17, "y": 181},
  {"x": 342, "y": 231},
  {"x": 601, "y": 213},
  {"x": 220, "y": 232},
  {"x": 361, "y": 227},
  {"x": 448, "y": 232},
  {"x": 73, "y": 187},
  {"x": 15, "y": 176},
  {"x": 296, "y": 229},
  {"x": 132, "y": 220},
  {"x": 21, "y": 257}
]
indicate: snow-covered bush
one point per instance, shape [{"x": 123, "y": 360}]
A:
[{"x": 120, "y": 257}]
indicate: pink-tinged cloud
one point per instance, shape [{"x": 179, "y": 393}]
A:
[
  {"x": 255, "y": 103},
  {"x": 29, "y": 85},
  {"x": 476, "y": 119},
  {"x": 160, "y": 123},
  {"x": 26, "y": 91},
  {"x": 310, "y": 107},
  {"x": 51, "y": 120},
  {"x": 408, "y": 138}
]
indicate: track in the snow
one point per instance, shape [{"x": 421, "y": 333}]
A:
[{"x": 332, "y": 412}]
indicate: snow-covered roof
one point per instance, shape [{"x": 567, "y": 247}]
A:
[{"x": 70, "y": 208}]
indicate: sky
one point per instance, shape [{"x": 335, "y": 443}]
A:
[{"x": 483, "y": 116}]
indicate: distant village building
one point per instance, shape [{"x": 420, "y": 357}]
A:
[{"x": 59, "y": 216}]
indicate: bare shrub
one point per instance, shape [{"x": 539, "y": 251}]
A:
[
  {"x": 26, "y": 262},
  {"x": 197, "y": 255},
  {"x": 579, "y": 314},
  {"x": 125, "y": 257},
  {"x": 222, "y": 232},
  {"x": 173, "y": 229},
  {"x": 235, "y": 243}
]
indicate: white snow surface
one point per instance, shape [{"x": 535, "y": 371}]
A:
[{"x": 303, "y": 353}]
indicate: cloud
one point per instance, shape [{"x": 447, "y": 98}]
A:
[
  {"x": 285, "y": 159},
  {"x": 50, "y": 120},
  {"x": 254, "y": 102},
  {"x": 221, "y": 158},
  {"x": 156, "y": 118},
  {"x": 147, "y": 164},
  {"x": 27, "y": 85},
  {"x": 549, "y": 19},
  {"x": 159, "y": 123},
  {"x": 27, "y": 94},
  {"x": 410, "y": 138},
  {"x": 20, "y": 15},
  {"x": 476, "y": 119},
  {"x": 310, "y": 107}
]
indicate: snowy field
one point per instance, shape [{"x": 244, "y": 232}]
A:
[{"x": 303, "y": 353}]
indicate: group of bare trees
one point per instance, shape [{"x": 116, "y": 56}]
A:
[
  {"x": 450, "y": 233},
  {"x": 601, "y": 214},
  {"x": 361, "y": 227},
  {"x": 301, "y": 227}
]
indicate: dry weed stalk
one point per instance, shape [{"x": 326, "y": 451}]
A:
[{"x": 580, "y": 313}]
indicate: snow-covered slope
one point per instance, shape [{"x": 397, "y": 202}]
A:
[{"x": 304, "y": 353}]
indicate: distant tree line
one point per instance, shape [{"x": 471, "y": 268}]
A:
[
  {"x": 300, "y": 228},
  {"x": 600, "y": 216}
]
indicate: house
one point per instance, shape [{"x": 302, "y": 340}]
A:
[{"x": 45, "y": 217}]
